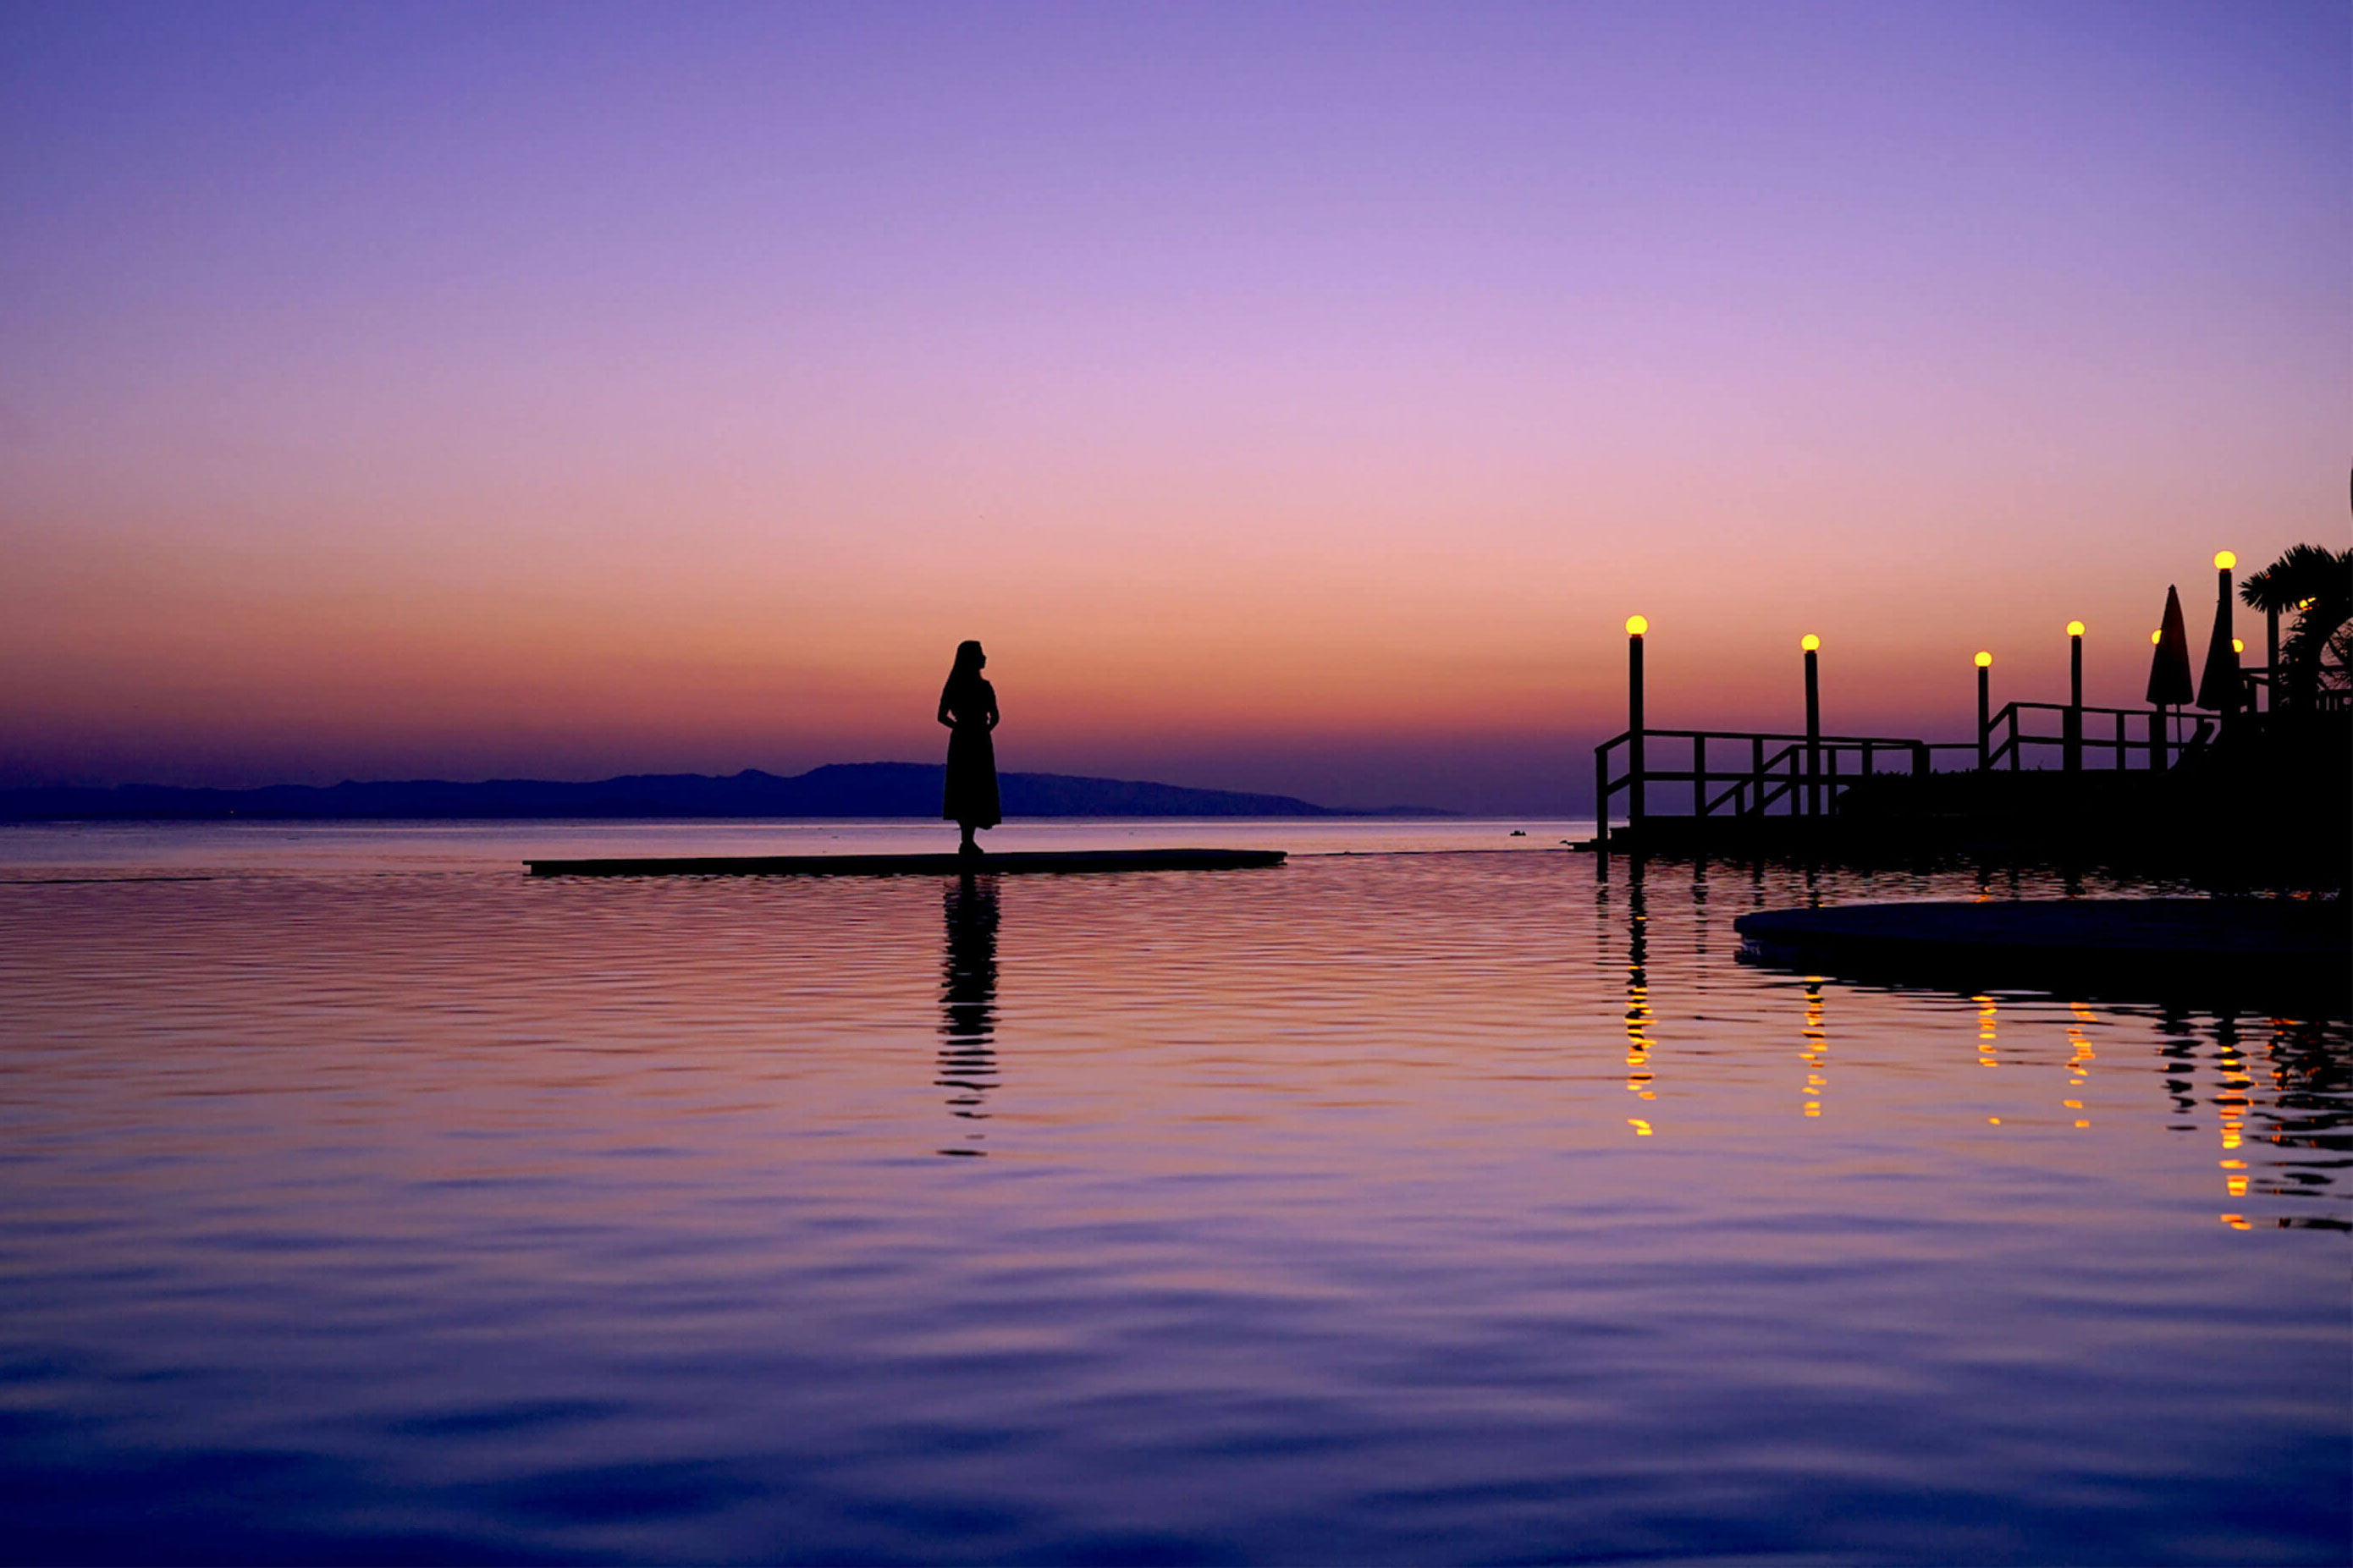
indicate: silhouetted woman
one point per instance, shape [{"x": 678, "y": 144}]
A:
[{"x": 968, "y": 708}]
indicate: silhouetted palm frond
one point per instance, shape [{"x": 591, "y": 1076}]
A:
[
  {"x": 2337, "y": 674},
  {"x": 2315, "y": 585},
  {"x": 2300, "y": 574}
]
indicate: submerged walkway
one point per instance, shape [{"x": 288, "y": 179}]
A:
[
  {"x": 2158, "y": 947},
  {"x": 1011, "y": 862}
]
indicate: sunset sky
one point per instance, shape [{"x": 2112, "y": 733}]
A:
[{"x": 1291, "y": 397}]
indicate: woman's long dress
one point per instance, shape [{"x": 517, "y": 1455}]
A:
[{"x": 971, "y": 794}]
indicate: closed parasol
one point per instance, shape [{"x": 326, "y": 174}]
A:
[{"x": 2169, "y": 672}]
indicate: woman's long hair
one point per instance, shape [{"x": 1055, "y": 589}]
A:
[{"x": 965, "y": 675}]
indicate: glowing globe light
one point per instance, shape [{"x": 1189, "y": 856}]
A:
[
  {"x": 2225, "y": 560},
  {"x": 2157, "y": 635},
  {"x": 1810, "y": 642},
  {"x": 1636, "y": 626},
  {"x": 2238, "y": 647},
  {"x": 2075, "y": 628},
  {"x": 1985, "y": 661}
]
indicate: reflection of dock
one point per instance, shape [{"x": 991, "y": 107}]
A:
[
  {"x": 1007, "y": 863},
  {"x": 2256, "y": 950}
]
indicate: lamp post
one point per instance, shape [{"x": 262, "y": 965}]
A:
[
  {"x": 2224, "y": 560},
  {"x": 2218, "y": 685},
  {"x": 2074, "y": 727},
  {"x": 1985, "y": 712},
  {"x": 1635, "y": 627},
  {"x": 2156, "y": 717},
  {"x": 1812, "y": 645}
]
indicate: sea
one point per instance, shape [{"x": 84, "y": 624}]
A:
[{"x": 1433, "y": 1198}]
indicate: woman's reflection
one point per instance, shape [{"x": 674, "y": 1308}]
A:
[{"x": 969, "y": 1002}]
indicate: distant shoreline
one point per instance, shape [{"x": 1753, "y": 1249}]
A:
[{"x": 875, "y": 791}]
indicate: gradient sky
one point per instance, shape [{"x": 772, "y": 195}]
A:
[{"x": 1292, "y": 397}]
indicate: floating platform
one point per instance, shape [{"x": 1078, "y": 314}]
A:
[
  {"x": 2295, "y": 951},
  {"x": 996, "y": 863}
]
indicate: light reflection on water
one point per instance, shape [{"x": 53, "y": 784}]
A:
[{"x": 1389, "y": 1207}]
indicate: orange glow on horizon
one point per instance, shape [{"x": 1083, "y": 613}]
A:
[{"x": 486, "y": 433}]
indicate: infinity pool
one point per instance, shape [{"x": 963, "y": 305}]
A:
[{"x": 1386, "y": 1207}]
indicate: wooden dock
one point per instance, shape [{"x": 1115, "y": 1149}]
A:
[
  {"x": 2255, "y": 797},
  {"x": 997, "y": 863}
]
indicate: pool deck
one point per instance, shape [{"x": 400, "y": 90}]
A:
[
  {"x": 2243, "y": 949},
  {"x": 1005, "y": 863}
]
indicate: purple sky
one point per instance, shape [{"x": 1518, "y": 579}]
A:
[{"x": 1294, "y": 397}]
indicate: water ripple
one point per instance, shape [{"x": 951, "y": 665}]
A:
[{"x": 1378, "y": 1208}]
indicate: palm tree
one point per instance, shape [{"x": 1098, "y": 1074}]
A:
[{"x": 2315, "y": 583}]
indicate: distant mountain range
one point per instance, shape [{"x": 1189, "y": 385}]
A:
[{"x": 853, "y": 789}]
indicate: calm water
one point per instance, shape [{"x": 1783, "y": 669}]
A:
[{"x": 364, "y": 1199}]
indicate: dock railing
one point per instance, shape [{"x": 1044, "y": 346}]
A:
[
  {"x": 2080, "y": 732},
  {"x": 1751, "y": 772},
  {"x": 2261, "y": 685},
  {"x": 1757, "y": 772}
]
